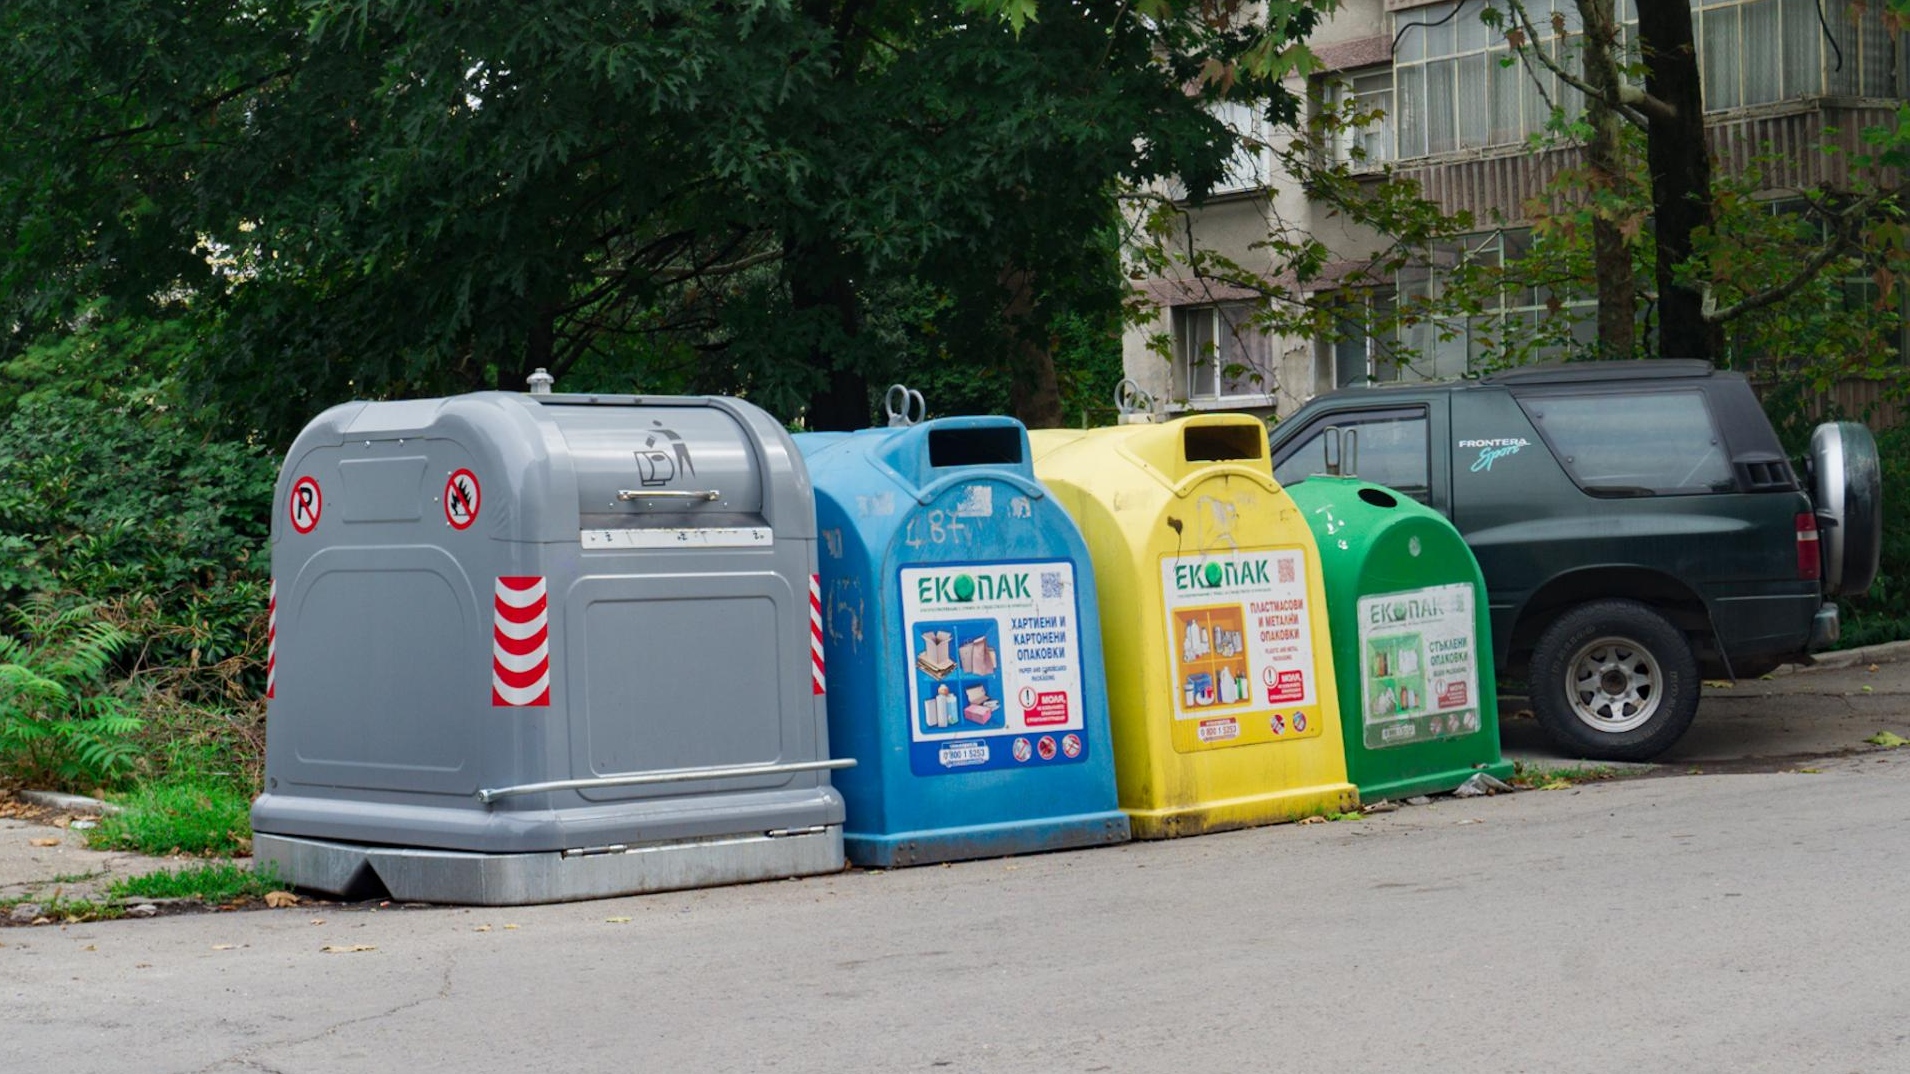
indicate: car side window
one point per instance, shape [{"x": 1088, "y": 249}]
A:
[
  {"x": 1634, "y": 443},
  {"x": 1391, "y": 449}
]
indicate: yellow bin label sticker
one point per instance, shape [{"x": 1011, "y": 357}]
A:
[{"x": 1240, "y": 645}]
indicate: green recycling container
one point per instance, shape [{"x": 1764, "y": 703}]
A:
[{"x": 1412, "y": 642}]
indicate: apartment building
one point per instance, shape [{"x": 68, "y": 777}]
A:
[{"x": 1780, "y": 76}]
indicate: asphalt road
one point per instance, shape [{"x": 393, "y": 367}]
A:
[{"x": 1746, "y": 922}]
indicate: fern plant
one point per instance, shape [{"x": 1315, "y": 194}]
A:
[{"x": 58, "y": 725}]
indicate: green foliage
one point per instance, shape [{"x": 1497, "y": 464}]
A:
[
  {"x": 383, "y": 198},
  {"x": 199, "y": 818},
  {"x": 129, "y": 509},
  {"x": 213, "y": 883},
  {"x": 58, "y": 725}
]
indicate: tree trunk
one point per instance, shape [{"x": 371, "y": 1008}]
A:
[
  {"x": 1033, "y": 387},
  {"x": 539, "y": 343},
  {"x": 819, "y": 281},
  {"x": 1611, "y": 261},
  {"x": 818, "y": 272},
  {"x": 1680, "y": 164}
]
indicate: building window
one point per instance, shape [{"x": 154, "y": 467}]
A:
[
  {"x": 1455, "y": 88},
  {"x": 1249, "y": 168},
  {"x": 1457, "y": 92},
  {"x": 1363, "y": 100},
  {"x": 1759, "y": 51},
  {"x": 1360, "y": 350},
  {"x": 1523, "y": 321},
  {"x": 1219, "y": 353}
]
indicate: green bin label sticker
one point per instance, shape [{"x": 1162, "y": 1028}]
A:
[{"x": 1419, "y": 665}]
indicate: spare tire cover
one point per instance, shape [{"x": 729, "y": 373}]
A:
[{"x": 1849, "y": 493}]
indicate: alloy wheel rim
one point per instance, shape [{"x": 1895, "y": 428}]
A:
[{"x": 1614, "y": 685}]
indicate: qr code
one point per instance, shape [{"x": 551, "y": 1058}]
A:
[
  {"x": 1286, "y": 572},
  {"x": 1052, "y": 587}
]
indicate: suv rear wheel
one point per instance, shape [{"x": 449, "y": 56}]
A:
[{"x": 1613, "y": 680}]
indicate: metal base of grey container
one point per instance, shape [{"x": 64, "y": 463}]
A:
[{"x": 448, "y": 876}]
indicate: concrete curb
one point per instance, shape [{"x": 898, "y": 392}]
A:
[
  {"x": 67, "y": 803},
  {"x": 1843, "y": 658}
]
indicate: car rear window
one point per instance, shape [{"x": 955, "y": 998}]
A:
[{"x": 1634, "y": 443}]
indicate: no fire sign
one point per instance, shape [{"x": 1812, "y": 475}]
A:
[{"x": 461, "y": 499}]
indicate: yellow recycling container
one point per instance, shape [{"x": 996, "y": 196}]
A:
[{"x": 1222, "y": 700}]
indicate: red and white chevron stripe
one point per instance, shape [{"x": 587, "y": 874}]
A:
[
  {"x": 815, "y": 632},
  {"x": 520, "y": 643},
  {"x": 272, "y": 641}
]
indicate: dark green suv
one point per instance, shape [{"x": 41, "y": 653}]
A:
[{"x": 1638, "y": 525}]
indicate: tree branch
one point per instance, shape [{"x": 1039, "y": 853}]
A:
[
  {"x": 1839, "y": 242},
  {"x": 196, "y": 107},
  {"x": 1633, "y": 103}
]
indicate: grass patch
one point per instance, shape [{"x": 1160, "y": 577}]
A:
[
  {"x": 201, "y": 818},
  {"x": 212, "y": 882},
  {"x": 1545, "y": 778}
]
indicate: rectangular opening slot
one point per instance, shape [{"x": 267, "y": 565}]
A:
[
  {"x": 996, "y": 446},
  {"x": 1221, "y": 443}
]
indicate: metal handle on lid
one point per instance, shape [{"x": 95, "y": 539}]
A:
[
  {"x": 707, "y": 495},
  {"x": 904, "y": 406},
  {"x": 1135, "y": 405},
  {"x": 1340, "y": 451}
]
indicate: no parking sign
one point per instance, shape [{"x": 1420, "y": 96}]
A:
[{"x": 305, "y": 504}]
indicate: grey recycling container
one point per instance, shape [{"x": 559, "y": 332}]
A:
[{"x": 532, "y": 648}]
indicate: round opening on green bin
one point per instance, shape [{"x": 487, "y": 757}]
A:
[{"x": 1379, "y": 497}]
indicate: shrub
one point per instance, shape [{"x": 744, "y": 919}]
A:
[
  {"x": 58, "y": 725},
  {"x": 128, "y": 510}
]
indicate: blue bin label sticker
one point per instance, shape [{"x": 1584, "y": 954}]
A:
[
  {"x": 993, "y": 653},
  {"x": 1419, "y": 665},
  {"x": 1240, "y": 628}
]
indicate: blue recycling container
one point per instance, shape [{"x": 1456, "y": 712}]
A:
[{"x": 962, "y": 645}]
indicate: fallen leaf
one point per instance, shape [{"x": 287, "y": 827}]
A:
[
  {"x": 1810, "y": 771},
  {"x": 225, "y": 946},
  {"x": 90, "y": 947},
  {"x": 347, "y": 949},
  {"x": 1872, "y": 667},
  {"x": 318, "y": 921},
  {"x": 617, "y": 920},
  {"x": 44, "y": 842},
  {"x": 1887, "y": 740},
  {"x": 510, "y": 926},
  {"x": 1555, "y": 785},
  {"x": 482, "y": 928},
  {"x": 1721, "y": 684},
  {"x": 1312, "y": 820},
  {"x": 278, "y": 899},
  {"x": 1866, "y": 689}
]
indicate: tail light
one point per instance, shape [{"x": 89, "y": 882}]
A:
[{"x": 1810, "y": 564}]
